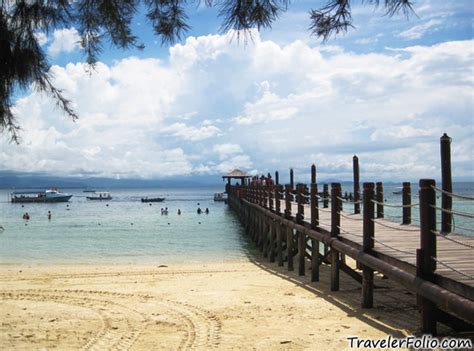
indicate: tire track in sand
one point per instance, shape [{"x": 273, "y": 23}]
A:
[{"x": 122, "y": 325}]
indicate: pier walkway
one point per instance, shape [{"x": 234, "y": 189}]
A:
[{"x": 299, "y": 223}]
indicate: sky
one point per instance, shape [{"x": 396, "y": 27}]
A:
[{"x": 385, "y": 91}]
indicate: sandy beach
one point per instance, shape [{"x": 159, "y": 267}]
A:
[{"x": 222, "y": 305}]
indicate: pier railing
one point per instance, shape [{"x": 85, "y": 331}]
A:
[{"x": 300, "y": 223}]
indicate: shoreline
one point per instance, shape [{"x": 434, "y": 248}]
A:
[{"x": 244, "y": 304}]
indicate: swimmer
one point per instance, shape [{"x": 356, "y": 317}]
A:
[
  {"x": 207, "y": 210},
  {"x": 49, "y": 215},
  {"x": 179, "y": 212},
  {"x": 199, "y": 211}
]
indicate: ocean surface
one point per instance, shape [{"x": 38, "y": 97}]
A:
[
  {"x": 125, "y": 230},
  {"x": 122, "y": 230}
]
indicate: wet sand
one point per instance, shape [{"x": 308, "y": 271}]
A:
[{"x": 224, "y": 305}]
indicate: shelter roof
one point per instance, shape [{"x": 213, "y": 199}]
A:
[{"x": 236, "y": 173}]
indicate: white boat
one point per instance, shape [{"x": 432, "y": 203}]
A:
[
  {"x": 398, "y": 191},
  {"x": 100, "y": 195},
  {"x": 220, "y": 197},
  {"x": 50, "y": 195}
]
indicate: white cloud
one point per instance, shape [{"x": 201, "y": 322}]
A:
[
  {"x": 225, "y": 150},
  {"x": 238, "y": 161},
  {"x": 213, "y": 106},
  {"x": 418, "y": 31},
  {"x": 185, "y": 132},
  {"x": 64, "y": 40},
  {"x": 366, "y": 41},
  {"x": 268, "y": 108}
]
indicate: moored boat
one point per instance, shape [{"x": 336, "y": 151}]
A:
[
  {"x": 100, "y": 195},
  {"x": 153, "y": 199},
  {"x": 220, "y": 197},
  {"x": 398, "y": 191},
  {"x": 50, "y": 195}
]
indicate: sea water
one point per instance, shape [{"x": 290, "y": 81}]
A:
[
  {"x": 125, "y": 230},
  {"x": 460, "y": 224},
  {"x": 122, "y": 230}
]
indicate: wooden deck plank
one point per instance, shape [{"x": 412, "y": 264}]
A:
[{"x": 404, "y": 238}]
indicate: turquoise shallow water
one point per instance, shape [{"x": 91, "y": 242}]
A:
[
  {"x": 128, "y": 231},
  {"x": 122, "y": 230}
]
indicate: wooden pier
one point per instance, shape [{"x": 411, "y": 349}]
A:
[{"x": 315, "y": 225}]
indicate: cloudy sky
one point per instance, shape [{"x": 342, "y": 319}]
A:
[{"x": 385, "y": 91}]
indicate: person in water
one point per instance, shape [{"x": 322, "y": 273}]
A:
[
  {"x": 49, "y": 215},
  {"x": 207, "y": 211},
  {"x": 179, "y": 212},
  {"x": 199, "y": 211},
  {"x": 26, "y": 216}
]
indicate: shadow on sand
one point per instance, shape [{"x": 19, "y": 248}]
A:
[{"x": 394, "y": 312}]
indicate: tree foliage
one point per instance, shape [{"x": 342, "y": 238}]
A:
[{"x": 24, "y": 64}]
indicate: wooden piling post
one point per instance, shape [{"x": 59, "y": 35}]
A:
[
  {"x": 256, "y": 198},
  {"x": 257, "y": 195},
  {"x": 426, "y": 255},
  {"x": 265, "y": 196},
  {"x": 446, "y": 184},
  {"x": 379, "y": 198},
  {"x": 292, "y": 180},
  {"x": 314, "y": 206},
  {"x": 261, "y": 232},
  {"x": 289, "y": 231},
  {"x": 428, "y": 223},
  {"x": 355, "y": 164},
  {"x": 279, "y": 250},
  {"x": 279, "y": 229},
  {"x": 368, "y": 245},
  {"x": 270, "y": 193},
  {"x": 325, "y": 196},
  {"x": 299, "y": 202},
  {"x": 271, "y": 224},
  {"x": 288, "y": 196},
  {"x": 314, "y": 224},
  {"x": 301, "y": 235},
  {"x": 335, "y": 230},
  {"x": 277, "y": 189},
  {"x": 277, "y": 178},
  {"x": 406, "y": 200},
  {"x": 265, "y": 235},
  {"x": 313, "y": 173},
  {"x": 325, "y": 205},
  {"x": 272, "y": 233}
]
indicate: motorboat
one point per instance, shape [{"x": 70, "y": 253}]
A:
[
  {"x": 220, "y": 197},
  {"x": 100, "y": 195},
  {"x": 153, "y": 199},
  {"x": 399, "y": 191},
  {"x": 50, "y": 195}
]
